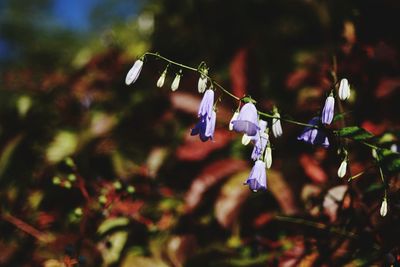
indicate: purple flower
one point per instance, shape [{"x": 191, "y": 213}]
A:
[
  {"x": 207, "y": 103},
  {"x": 206, "y": 125},
  {"x": 314, "y": 136},
  {"x": 247, "y": 121},
  {"x": 258, "y": 177},
  {"x": 259, "y": 146},
  {"x": 327, "y": 112},
  {"x": 260, "y": 140}
]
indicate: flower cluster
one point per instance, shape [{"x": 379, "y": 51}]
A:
[{"x": 255, "y": 131}]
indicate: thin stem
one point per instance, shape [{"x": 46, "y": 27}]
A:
[{"x": 213, "y": 82}]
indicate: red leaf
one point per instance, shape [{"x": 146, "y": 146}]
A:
[
  {"x": 387, "y": 86},
  {"x": 237, "y": 71},
  {"x": 128, "y": 208},
  {"x": 312, "y": 169},
  {"x": 193, "y": 149},
  {"x": 211, "y": 175},
  {"x": 296, "y": 78}
]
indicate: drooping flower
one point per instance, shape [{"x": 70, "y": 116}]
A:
[
  {"x": 268, "y": 157},
  {"x": 161, "y": 80},
  {"x": 211, "y": 125},
  {"x": 234, "y": 117},
  {"x": 175, "y": 83},
  {"x": 202, "y": 83},
  {"x": 206, "y": 125},
  {"x": 276, "y": 125},
  {"x": 206, "y": 103},
  {"x": 344, "y": 89},
  {"x": 259, "y": 146},
  {"x": 328, "y": 111},
  {"x": 134, "y": 72},
  {"x": 384, "y": 208},
  {"x": 258, "y": 177},
  {"x": 247, "y": 121},
  {"x": 342, "y": 169},
  {"x": 313, "y": 135}
]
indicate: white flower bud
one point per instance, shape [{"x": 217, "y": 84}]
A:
[
  {"x": 344, "y": 89},
  {"x": 161, "y": 80},
  {"x": 393, "y": 148},
  {"x": 134, "y": 72},
  {"x": 175, "y": 83},
  {"x": 202, "y": 83},
  {"x": 383, "y": 210},
  {"x": 276, "y": 125},
  {"x": 268, "y": 157},
  {"x": 246, "y": 139},
  {"x": 234, "y": 117},
  {"x": 374, "y": 153},
  {"x": 342, "y": 169}
]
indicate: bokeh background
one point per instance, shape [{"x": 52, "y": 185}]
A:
[{"x": 97, "y": 173}]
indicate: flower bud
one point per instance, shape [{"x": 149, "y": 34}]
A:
[
  {"x": 202, "y": 83},
  {"x": 134, "y": 72},
  {"x": 276, "y": 125},
  {"x": 175, "y": 83},
  {"x": 161, "y": 80},
  {"x": 344, "y": 89},
  {"x": 246, "y": 139},
  {"x": 374, "y": 153},
  {"x": 393, "y": 148},
  {"x": 268, "y": 157},
  {"x": 328, "y": 111},
  {"x": 383, "y": 210},
  {"x": 342, "y": 169}
]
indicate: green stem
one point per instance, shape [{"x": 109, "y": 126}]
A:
[{"x": 183, "y": 66}]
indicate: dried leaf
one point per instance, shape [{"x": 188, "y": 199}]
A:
[
  {"x": 332, "y": 200},
  {"x": 282, "y": 192},
  {"x": 209, "y": 176},
  {"x": 155, "y": 160},
  {"x": 134, "y": 260},
  {"x": 230, "y": 199},
  {"x": 180, "y": 248}
]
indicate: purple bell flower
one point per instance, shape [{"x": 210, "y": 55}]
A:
[
  {"x": 260, "y": 140},
  {"x": 259, "y": 146},
  {"x": 328, "y": 111},
  {"x": 258, "y": 177},
  {"x": 206, "y": 126},
  {"x": 314, "y": 136},
  {"x": 207, "y": 103},
  {"x": 247, "y": 121}
]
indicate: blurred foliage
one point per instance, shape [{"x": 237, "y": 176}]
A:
[{"x": 95, "y": 173}]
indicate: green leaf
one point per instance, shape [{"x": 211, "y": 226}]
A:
[
  {"x": 355, "y": 133},
  {"x": 389, "y": 160},
  {"x": 248, "y": 99}
]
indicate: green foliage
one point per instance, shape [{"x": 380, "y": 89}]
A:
[{"x": 355, "y": 133}]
